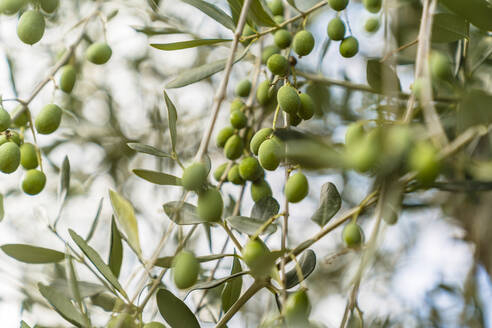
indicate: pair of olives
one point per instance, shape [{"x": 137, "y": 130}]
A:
[{"x": 296, "y": 105}]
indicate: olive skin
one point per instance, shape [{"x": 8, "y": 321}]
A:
[
  {"x": 269, "y": 51},
  {"x": 440, "y": 66},
  {"x": 278, "y": 64},
  {"x": 20, "y": 120},
  {"x": 303, "y": 43},
  {"x": 297, "y": 309},
  {"x": 237, "y": 104},
  {"x": 276, "y": 7},
  {"x": 194, "y": 176},
  {"x": 296, "y": 188},
  {"x": 349, "y": 47},
  {"x": 282, "y": 38},
  {"x": 210, "y": 205},
  {"x": 258, "y": 139},
  {"x": 270, "y": 154},
  {"x": 98, "y": 53},
  {"x": 219, "y": 172},
  {"x": 306, "y": 111},
  {"x": 250, "y": 169},
  {"x": 67, "y": 78},
  {"x": 336, "y": 29},
  {"x": 338, "y": 5},
  {"x": 243, "y": 88},
  {"x": 10, "y": 7},
  {"x": 123, "y": 320},
  {"x": 49, "y": 6},
  {"x": 294, "y": 120},
  {"x": 352, "y": 235},
  {"x": 234, "y": 147},
  {"x": 238, "y": 119},
  {"x": 423, "y": 160},
  {"x": 373, "y": 6},
  {"x": 29, "y": 157},
  {"x": 9, "y": 157},
  {"x": 234, "y": 176},
  {"x": 48, "y": 119},
  {"x": 260, "y": 189},
  {"x": 258, "y": 258},
  {"x": 185, "y": 269},
  {"x": 372, "y": 25},
  {"x": 30, "y": 28},
  {"x": 263, "y": 93},
  {"x": 154, "y": 324},
  {"x": 5, "y": 119},
  {"x": 34, "y": 182},
  {"x": 223, "y": 136},
  {"x": 288, "y": 99}
]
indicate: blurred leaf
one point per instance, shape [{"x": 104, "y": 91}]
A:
[
  {"x": 215, "y": 283},
  {"x": 2, "y": 210},
  {"x": 166, "y": 261},
  {"x": 187, "y": 44},
  {"x": 150, "y": 31},
  {"x": 146, "y": 149},
  {"x": 95, "y": 221},
  {"x": 158, "y": 177},
  {"x": 87, "y": 289},
  {"x": 112, "y": 15},
  {"x": 108, "y": 302},
  {"x": 232, "y": 290},
  {"x": 125, "y": 215},
  {"x": 249, "y": 225},
  {"x": 32, "y": 254},
  {"x": 474, "y": 109},
  {"x": 214, "y": 12},
  {"x": 62, "y": 305},
  {"x": 73, "y": 281},
  {"x": 64, "y": 185},
  {"x": 448, "y": 28},
  {"x": 329, "y": 204},
  {"x": 23, "y": 324},
  {"x": 265, "y": 208},
  {"x": 381, "y": 77},
  {"x": 95, "y": 258},
  {"x": 182, "y": 213},
  {"x": 172, "y": 117},
  {"x": 307, "y": 262},
  {"x": 116, "y": 250},
  {"x": 256, "y": 13},
  {"x": 320, "y": 94},
  {"x": 174, "y": 311},
  {"x": 293, "y": 4},
  {"x": 478, "y": 12}
]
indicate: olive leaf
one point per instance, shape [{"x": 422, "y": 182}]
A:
[
  {"x": 216, "y": 282},
  {"x": 64, "y": 184},
  {"x": 449, "y": 28},
  {"x": 175, "y": 311},
  {"x": 265, "y": 208},
  {"x": 125, "y": 215},
  {"x": 478, "y": 12},
  {"x": 158, "y": 177},
  {"x": 187, "y": 44},
  {"x": 146, "y": 149},
  {"x": 109, "y": 302},
  {"x": 87, "y": 289},
  {"x": 23, "y": 324},
  {"x": 166, "y": 261},
  {"x": 232, "y": 290},
  {"x": 95, "y": 221},
  {"x": 329, "y": 204},
  {"x": 116, "y": 250},
  {"x": 256, "y": 13},
  {"x": 212, "y": 11},
  {"x": 150, "y": 31},
  {"x": 249, "y": 225},
  {"x": 381, "y": 77},
  {"x": 32, "y": 254},
  {"x": 474, "y": 109},
  {"x": 2, "y": 210},
  {"x": 307, "y": 263},
  {"x": 62, "y": 305},
  {"x": 182, "y": 213},
  {"x": 172, "y": 117}
]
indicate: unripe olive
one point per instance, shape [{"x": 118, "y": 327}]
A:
[
  {"x": 297, "y": 309},
  {"x": 303, "y": 43},
  {"x": 48, "y": 119},
  {"x": 122, "y": 320},
  {"x": 29, "y": 158},
  {"x": 338, "y": 5},
  {"x": 263, "y": 93},
  {"x": 243, "y": 88},
  {"x": 260, "y": 189},
  {"x": 237, "y": 104},
  {"x": 234, "y": 176},
  {"x": 49, "y": 6},
  {"x": 194, "y": 176},
  {"x": 276, "y": 7},
  {"x": 363, "y": 155},
  {"x": 20, "y": 116},
  {"x": 238, "y": 119},
  {"x": 294, "y": 119},
  {"x": 354, "y": 134},
  {"x": 67, "y": 78},
  {"x": 373, "y": 6},
  {"x": 349, "y": 47},
  {"x": 423, "y": 160},
  {"x": 5, "y": 119},
  {"x": 397, "y": 142},
  {"x": 352, "y": 235},
  {"x": 234, "y": 147},
  {"x": 279, "y": 19},
  {"x": 372, "y": 25},
  {"x": 15, "y": 137},
  {"x": 282, "y": 38},
  {"x": 250, "y": 169},
  {"x": 440, "y": 66},
  {"x": 306, "y": 111},
  {"x": 9, "y": 157},
  {"x": 3, "y": 139},
  {"x": 296, "y": 188},
  {"x": 30, "y": 28},
  {"x": 258, "y": 258},
  {"x": 288, "y": 99},
  {"x": 10, "y": 7},
  {"x": 223, "y": 136},
  {"x": 268, "y": 51},
  {"x": 219, "y": 171},
  {"x": 34, "y": 181},
  {"x": 270, "y": 154},
  {"x": 210, "y": 205},
  {"x": 258, "y": 139},
  {"x": 98, "y": 53},
  {"x": 185, "y": 269},
  {"x": 278, "y": 64},
  {"x": 154, "y": 324},
  {"x": 336, "y": 29},
  {"x": 419, "y": 85}
]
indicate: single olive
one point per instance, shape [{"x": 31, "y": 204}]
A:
[
  {"x": 238, "y": 119},
  {"x": 49, "y": 6},
  {"x": 233, "y": 175},
  {"x": 278, "y": 64},
  {"x": 440, "y": 66},
  {"x": 11, "y": 7},
  {"x": 5, "y": 119},
  {"x": 250, "y": 169},
  {"x": 98, "y": 53},
  {"x": 122, "y": 320},
  {"x": 269, "y": 51},
  {"x": 194, "y": 176},
  {"x": 338, "y": 5},
  {"x": 14, "y": 137},
  {"x": 303, "y": 43},
  {"x": 364, "y": 155},
  {"x": 423, "y": 160},
  {"x": 29, "y": 157},
  {"x": 234, "y": 147},
  {"x": 276, "y": 7},
  {"x": 48, "y": 119},
  {"x": 354, "y": 134},
  {"x": 270, "y": 154},
  {"x": 243, "y": 88},
  {"x": 349, "y": 47},
  {"x": 258, "y": 139},
  {"x": 336, "y": 29},
  {"x": 296, "y": 188},
  {"x": 352, "y": 235},
  {"x": 223, "y": 135},
  {"x": 258, "y": 258},
  {"x": 9, "y": 157},
  {"x": 219, "y": 171},
  {"x": 288, "y": 99},
  {"x": 264, "y": 93},
  {"x": 373, "y": 6},
  {"x": 260, "y": 189},
  {"x": 30, "y": 28},
  {"x": 397, "y": 142},
  {"x": 372, "y": 25},
  {"x": 20, "y": 116},
  {"x": 297, "y": 309},
  {"x": 210, "y": 205},
  {"x": 154, "y": 324},
  {"x": 247, "y": 31},
  {"x": 279, "y": 19},
  {"x": 67, "y": 78},
  {"x": 237, "y": 104},
  {"x": 33, "y": 182},
  {"x": 185, "y": 269},
  {"x": 306, "y": 111},
  {"x": 282, "y": 38}
]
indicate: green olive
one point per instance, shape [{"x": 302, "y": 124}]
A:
[
  {"x": 282, "y": 38},
  {"x": 258, "y": 258},
  {"x": 67, "y": 78},
  {"x": 336, "y": 29},
  {"x": 233, "y": 175},
  {"x": 122, "y": 320},
  {"x": 48, "y": 119},
  {"x": 303, "y": 43},
  {"x": 373, "y": 6},
  {"x": 306, "y": 111},
  {"x": 250, "y": 169},
  {"x": 349, "y": 47},
  {"x": 30, "y": 28},
  {"x": 10, "y": 135},
  {"x": 219, "y": 171},
  {"x": 233, "y": 148},
  {"x": 397, "y": 141},
  {"x": 276, "y": 7},
  {"x": 154, "y": 324},
  {"x": 20, "y": 116},
  {"x": 440, "y": 66},
  {"x": 269, "y": 51},
  {"x": 98, "y": 53},
  {"x": 270, "y": 154},
  {"x": 237, "y": 104},
  {"x": 194, "y": 176},
  {"x": 279, "y": 19},
  {"x": 363, "y": 155},
  {"x": 210, "y": 205},
  {"x": 5, "y": 119},
  {"x": 9, "y": 157},
  {"x": 297, "y": 308},
  {"x": 49, "y": 6},
  {"x": 258, "y": 139},
  {"x": 372, "y": 25},
  {"x": 264, "y": 93},
  {"x": 33, "y": 182},
  {"x": 294, "y": 119},
  {"x": 278, "y": 64},
  {"x": 338, "y": 5},
  {"x": 260, "y": 189},
  {"x": 185, "y": 269},
  {"x": 243, "y": 88},
  {"x": 248, "y": 31},
  {"x": 352, "y": 235},
  {"x": 354, "y": 134},
  {"x": 238, "y": 119},
  {"x": 288, "y": 99},
  {"x": 223, "y": 136},
  {"x": 29, "y": 157},
  {"x": 423, "y": 160},
  {"x": 11, "y": 7},
  {"x": 296, "y": 188}
]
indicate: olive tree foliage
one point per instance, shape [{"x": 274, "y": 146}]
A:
[{"x": 243, "y": 185}]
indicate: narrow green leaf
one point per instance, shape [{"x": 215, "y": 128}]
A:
[
  {"x": 213, "y": 11},
  {"x": 62, "y": 305},
  {"x": 96, "y": 259},
  {"x": 292, "y": 3},
  {"x": 182, "y": 213},
  {"x": 166, "y": 261},
  {"x": 125, "y": 215},
  {"x": 172, "y": 117},
  {"x": 64, "y": 184},
  {"x": 329, "y": 204},
  {"x": 109, "y": 302},
  {"x": 449, "y": 28},
  {"x": 174, "y": 311},
  {"x": 232, "y": 289},
  {"x": 32, "y": 254},
  {"x": 235, "y": 7},
  {"x": 116, "y": 249},
  {"x": 23, "y": 324},
  {"x": 146, "y": 149},
  {"x": 74, "y": 285},
  {"x": 249, "y": 225},
  {"x": 95, "y": 221},
  {"x": 381, "y": 77},
  {"x": 87, "y": 289},
  {"x": 265, "y": 208},
  {"x": 256, "y": 13},
  {"x": 307, "y": 262},
  {"x": 187, "y": 44},
  {"x": 478, "y": 12},
  {"x": 151, "y": 31},
  {"x": 2, "y": 210},
  {"x": 217, "y": 282},
  {"x": 158, "y": 177}
]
